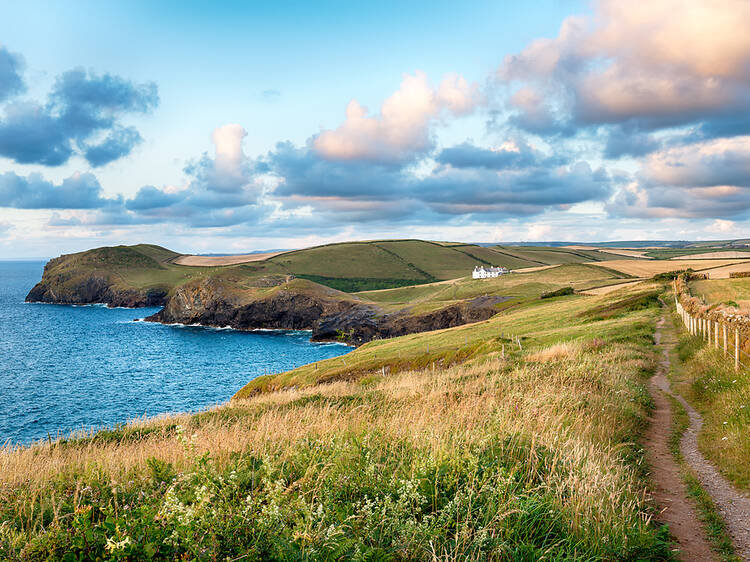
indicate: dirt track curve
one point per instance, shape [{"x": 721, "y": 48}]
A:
[{"x": 733, "y": 506}]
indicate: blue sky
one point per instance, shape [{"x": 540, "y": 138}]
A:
[{"x": 231, "y": 127}]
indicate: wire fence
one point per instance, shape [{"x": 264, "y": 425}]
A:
[{"x": 721, "y": 335}]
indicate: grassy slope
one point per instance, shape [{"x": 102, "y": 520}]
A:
[
  {"x": 668, "y": 253},
  {"x": 519, "y": 457},
  {"x": 142, "y": 266},
  {"x": 442, "y": 346},
  {"x": 351, "y": 266},
  {"x": 542, "y": 255}
]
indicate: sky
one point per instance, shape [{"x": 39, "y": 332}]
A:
[{"x": 238, "y": 126}]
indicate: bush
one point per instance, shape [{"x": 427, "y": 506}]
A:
[{"x": 558, "y": 293}]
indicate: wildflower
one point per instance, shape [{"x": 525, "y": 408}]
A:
[{"x": 113, "y": 545}]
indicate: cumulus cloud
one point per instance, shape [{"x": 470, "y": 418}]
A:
[
  {"x": 220, "y": 191},
  {"x": 524, "y": 191},
  {"x": 11, "y": 67},
  {"x": 230, "y": 171},
  {"x": 655, "y": 64},
  {"x": 467, "y": 180},
  {"x": 402, "y": 130},
  {"x": 81, "y": 108},
  {"x": 701, "y": 179},
  {"x": 79, "y": 191},
  {"x": 512, "y": 154}
]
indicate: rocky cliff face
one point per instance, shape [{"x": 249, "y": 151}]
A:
[
  {"x": 73, "y": 288},
  {"x": 217, "y": 301},
  {"x": 211, "y": 303},
  {"x": 330, "y": 317}
]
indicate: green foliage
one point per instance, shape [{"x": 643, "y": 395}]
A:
[
  {"x": 558, "y": 293},
  {"x": 632, "y": 303},
  {"x": 668, "y": 276},
  {"x": 356, "y": 284},
  {"x": 355, "y": 497},
  {"x": 161, "y": 471}
]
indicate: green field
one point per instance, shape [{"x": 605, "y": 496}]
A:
[{"x": 350, "y": 266}]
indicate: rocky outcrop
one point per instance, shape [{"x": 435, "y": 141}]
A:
[
  {"x": 210, "y": 302},
  {"x": 360, "y": 326},
  {"x": 330, "y": 314},
  {"x": 247, "y": 304},
  {"x": 93, "y": 288}
]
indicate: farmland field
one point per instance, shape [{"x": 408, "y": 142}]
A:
[{"x": 649, "y": 268}]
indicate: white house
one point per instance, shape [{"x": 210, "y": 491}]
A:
[{"x": 481, "y": 272}]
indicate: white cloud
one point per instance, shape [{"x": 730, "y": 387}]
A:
[
  {"x": 403, "y": 127},
  {"x": 662, "y": 62}
]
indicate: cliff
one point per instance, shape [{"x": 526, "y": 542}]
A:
[
  {"x": 75, "y": 287},
  {"x": 303, "y": 305}
]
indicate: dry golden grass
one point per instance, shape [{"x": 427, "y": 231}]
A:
[
  {"x": 471, "y": 401},
  {"x": 557, "y": 352},
  {"x": 214, "y": 261},
  {"x": 728, "y": 255},
  {"x": 609, "y": 288},
  {"x": 649, "y": 268},
  {"x": 723, "y": 272},
  {"x": 625, "y": 252},
  {"x": 536, "y": 268}
]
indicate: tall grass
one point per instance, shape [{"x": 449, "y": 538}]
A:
[{"x": 529, "y": 456}]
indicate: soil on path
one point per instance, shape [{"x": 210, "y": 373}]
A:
[
  {"x": 670, "y": 491},
  {"x": 733, "y": 506}
]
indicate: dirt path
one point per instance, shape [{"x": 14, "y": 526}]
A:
[
  {"x": 670, "y": 491},
  {"x": 732, "y": 505}
]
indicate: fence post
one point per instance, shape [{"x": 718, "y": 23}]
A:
[
  {"x": 716, "y": 334},
  {"x": 724, "y": 332},
  {"x": 736, "y": 349}
]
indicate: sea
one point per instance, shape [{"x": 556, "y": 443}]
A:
[{"x": 68, "y": 368}]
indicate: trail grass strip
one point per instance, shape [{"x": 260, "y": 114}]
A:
[
  {"x": 733, "y": 507},
  {"x": 670, "y": 491}
]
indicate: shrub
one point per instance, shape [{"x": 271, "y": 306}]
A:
[{"x": 558, "y": 293}]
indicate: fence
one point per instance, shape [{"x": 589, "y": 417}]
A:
[{"x": 716, "y": 333}]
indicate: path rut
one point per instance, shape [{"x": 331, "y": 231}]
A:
[
  {"x": 670, "y": 491},
  {"x": 733, "y": 506}
]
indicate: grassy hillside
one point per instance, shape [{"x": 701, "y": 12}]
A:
[
  {"x": 349, "y": 267},
  {"x": 461, "y": 452},
  {"x": 542, "y": 255},
  {"x": 142, "y": 266}
]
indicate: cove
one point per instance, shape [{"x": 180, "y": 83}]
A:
[{"x": 66, "y": 368}]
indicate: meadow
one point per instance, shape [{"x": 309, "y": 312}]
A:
[{"x": 521, "y": 447}]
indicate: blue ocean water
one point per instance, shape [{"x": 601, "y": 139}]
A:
[{"x": 65, "y": 367}]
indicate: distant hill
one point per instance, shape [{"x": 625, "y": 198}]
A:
[{"x": 146, "y": 274}]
